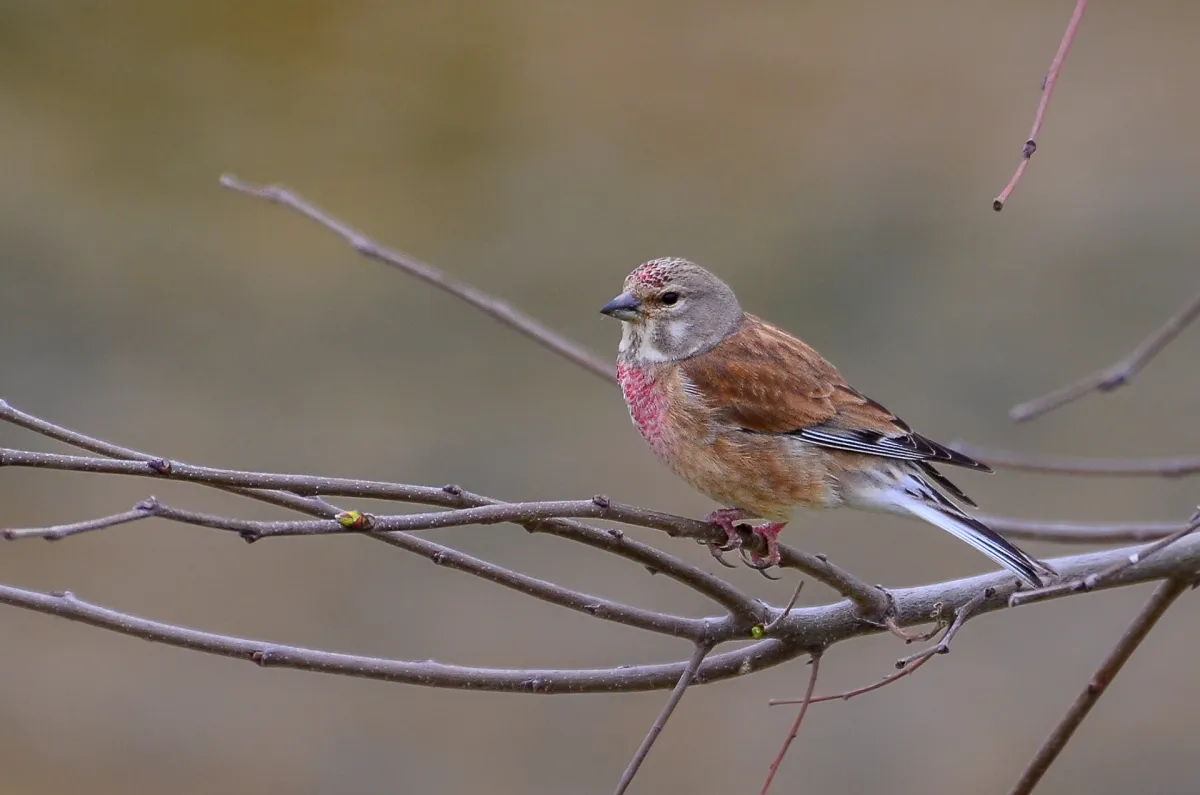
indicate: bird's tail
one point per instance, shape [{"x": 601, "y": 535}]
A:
[
  {"x": 942, "y": 513},
  {"x": 907, "y": 492}
]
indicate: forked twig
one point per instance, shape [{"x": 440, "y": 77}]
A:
[
  {"x": 906, "y": 666},
  {"x": 1048, "y": 83},
  {"x": 656, "y": 728},
  {"x": 1116, "y": 375},
  {"x": 1163, "y": 598}
]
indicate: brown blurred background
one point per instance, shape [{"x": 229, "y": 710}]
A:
[{"x": 834, "y": 162}]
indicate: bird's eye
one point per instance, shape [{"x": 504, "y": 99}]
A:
[{"x": 669, "y": 298}]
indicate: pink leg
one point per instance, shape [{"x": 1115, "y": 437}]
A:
[
  {"x": 769, "y": 534},
  {"x": 725, "y": 518}
]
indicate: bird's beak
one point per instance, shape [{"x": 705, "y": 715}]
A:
[{"x": 623, "y": 307}]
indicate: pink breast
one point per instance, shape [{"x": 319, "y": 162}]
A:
[{"x": 647, "y": 406}]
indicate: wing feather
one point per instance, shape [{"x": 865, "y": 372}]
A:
[{"x": 763, "y": 380}]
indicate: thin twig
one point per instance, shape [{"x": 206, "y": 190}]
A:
[
  {"x": 1080, "y": 532},
  {"x": 656, "y": 728},
  {"x": 143, "y": 510},
  {"x": 906, "y": 666},
  {"x": 1094, "y": 579},
  {"x": 488, "y": 304},
  {"x": 1077, "y": 465},
  {"x": 774, "y": 623},
  {"x": 1163, "y": 598},
  {"x": 815, "y": 662},
  {"x": 1051, "y": 79},
  {"x": 1116, "y": 375}
]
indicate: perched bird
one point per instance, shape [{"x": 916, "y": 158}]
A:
[{"x": 762, "y": 423}]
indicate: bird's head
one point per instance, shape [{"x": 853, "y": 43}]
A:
[{"x": 671, "y": 309}]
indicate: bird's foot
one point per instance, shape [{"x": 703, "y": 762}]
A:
[
  {"x": 725, "y": 518},
  {"x": 769, "y": 533}
]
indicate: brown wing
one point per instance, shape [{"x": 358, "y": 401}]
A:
[{"x": 763, "y": 380}]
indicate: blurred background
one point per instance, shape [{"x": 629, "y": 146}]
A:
[{"x": 834, "y": 162}]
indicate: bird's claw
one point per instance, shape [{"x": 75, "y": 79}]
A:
[
  {"x": 717, "y": 550},
  {"x": 725, "y": 519}
]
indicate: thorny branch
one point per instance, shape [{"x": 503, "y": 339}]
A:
[{"x": 780, "y": 634}]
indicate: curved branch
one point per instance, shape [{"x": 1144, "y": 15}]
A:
[
  {"x": 870, "y": 599},
  {"x": 800, "y": 632},
  {"x": 748, "y": 610}
]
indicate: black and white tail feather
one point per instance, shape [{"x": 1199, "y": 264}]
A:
[
  {"x": 910, "y": 492},
  {"x": 906, "y": 488}
]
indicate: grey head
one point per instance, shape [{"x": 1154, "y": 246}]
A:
[{"x": 672, "y": 309}]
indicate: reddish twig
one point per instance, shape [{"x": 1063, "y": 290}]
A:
[
  {"x": 815, "y": 662},
  {"x": 906, "y": 666},
  {"x": 1048, "y": 84},
  {"x": 656, "y": 728},
  {"x": 1163, "y": 598},
  {"x": 1116, "y": 375}
]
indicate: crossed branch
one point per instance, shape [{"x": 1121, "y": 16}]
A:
[{"x": 776, "y": 635}]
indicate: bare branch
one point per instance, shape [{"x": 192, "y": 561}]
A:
[
  {"x": 1048, "y": 83},
  {"x": 1081, "y": 532},
  {"x": 803, "y": 629},
  {"x": 747, "y": 609},
  {"x": 656, "y": 728},
  {"x": 774, "y": 623},
  {"x": 1090, "y": 581},
  {"x": 268, "y": 486},
  {"x": 485, "y": 511},
  {"x": 1116, "y": 375},
  {"x": 310, "y": 505},
  {"x": 143, "y": 510},
  {"x": 1163, "y": 598},
  {"x": 489, "y": 305},
  {"x": 427, "y": 673},
  {"x": 1077, "y": 465},
  {"x": 906, "y": 666},
  {"x": 815, "y": 662}
]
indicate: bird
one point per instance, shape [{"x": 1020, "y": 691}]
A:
[{"x": 761, "y": 423}]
